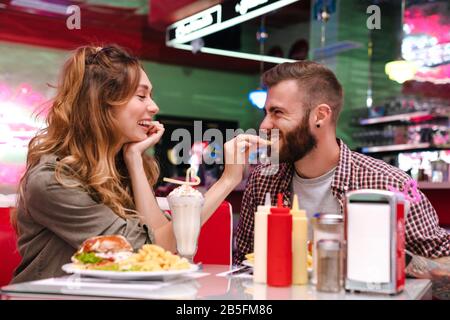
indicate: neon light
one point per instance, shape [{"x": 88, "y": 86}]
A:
[
  {"x": 245, "y": 5},
  {"x": 184, "y": 28},
  {"x": 427, "y": 42},
  {"x": 400, "y": 71},
  {"x": 369, "y": 102},
  {"x": 335, "y": 48},
  {"x": 438, "y": 75},
  {"x": 41, "y": 5},
  {"x": 258, "y": 98},
  {"x": 425, "y": 51},
  {"x": 171, "y": 38},
  {"x": 235, "y": 54}
]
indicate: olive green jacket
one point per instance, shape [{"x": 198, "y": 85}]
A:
[{"x": 54, "y": 220}]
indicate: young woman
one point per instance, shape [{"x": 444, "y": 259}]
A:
[{"x": 87, "y": 173}]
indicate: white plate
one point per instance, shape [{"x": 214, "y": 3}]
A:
[
  {"x": 247, "y": 263},
  {"x": 129, "y": 275}
]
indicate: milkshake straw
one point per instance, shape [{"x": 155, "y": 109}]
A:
[{"x": 189, "y": 174}]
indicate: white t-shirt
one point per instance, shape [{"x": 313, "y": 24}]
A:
[{"x": 314, "y": 195}]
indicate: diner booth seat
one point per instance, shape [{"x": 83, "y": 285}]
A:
[
  {"x": 216, "y": 235},
  {"x": 9, "y": 255}
]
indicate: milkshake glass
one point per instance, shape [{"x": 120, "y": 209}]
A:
[{"x": 186, "y": 205}]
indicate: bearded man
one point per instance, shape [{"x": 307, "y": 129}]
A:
[{"x": 303, "y": 103}]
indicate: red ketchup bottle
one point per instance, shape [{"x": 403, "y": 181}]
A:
[{"x": 279, "y": 246}]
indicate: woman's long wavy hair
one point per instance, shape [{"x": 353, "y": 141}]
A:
[{"x": 82, "y": 131}]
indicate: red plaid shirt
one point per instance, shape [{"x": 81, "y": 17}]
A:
[{"x": 354, "y": 171}]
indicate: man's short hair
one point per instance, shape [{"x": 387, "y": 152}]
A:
[{"x": 317, "y": 81}]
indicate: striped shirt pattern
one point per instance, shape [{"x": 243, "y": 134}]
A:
[{"x": 355, "y": 171}]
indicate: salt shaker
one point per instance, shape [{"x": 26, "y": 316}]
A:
[
  {"x": 328, "y": 265},
  {"x": 326, "y": 226}
]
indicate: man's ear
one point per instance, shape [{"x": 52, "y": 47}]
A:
[{"x": 322, "y": 114}]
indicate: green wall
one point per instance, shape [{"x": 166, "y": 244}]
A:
[
  {"x": 386, "y": 48},
  {"x": 181, "y": 91},
  {"x": 353, "y": 67},
  {"x": 204, "y": 93}
]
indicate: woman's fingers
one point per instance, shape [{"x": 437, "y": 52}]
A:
[
  {"x": 246, "y": 143},
  {"x": 252, "y": 139},
  {"x": 154, "y": 135},
  {"x": 243, "y": 146},
  {"x": 243, "y": 152},
  {"x": 156, "y": 128}
]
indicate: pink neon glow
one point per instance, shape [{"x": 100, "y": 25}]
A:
[
  {"x": 436, "y": 74},
  {"x": 10, "y": 173},
  {"x": 435, "y": 25},
  {"x": 197, "y": 152},
  {"x": 17, "y": 126},
  {"x": 410, "y": 186}
]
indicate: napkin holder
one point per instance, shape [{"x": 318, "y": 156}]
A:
[{"x": 375, "y": 241}]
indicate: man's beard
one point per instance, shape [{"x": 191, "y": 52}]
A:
[{"x": 297, "y": 143}]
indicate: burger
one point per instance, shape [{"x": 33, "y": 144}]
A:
[{"x": 103, "y": 252}]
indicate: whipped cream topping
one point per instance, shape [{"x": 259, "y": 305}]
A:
[{"x": 185, "y": 191}]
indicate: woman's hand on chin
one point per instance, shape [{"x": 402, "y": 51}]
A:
[{"x": 134, "y": 150}]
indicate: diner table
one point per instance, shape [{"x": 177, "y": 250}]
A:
[{"x": 211, "y": 282}]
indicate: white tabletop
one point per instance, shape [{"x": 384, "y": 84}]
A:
[{"x": 206, "y": 284}]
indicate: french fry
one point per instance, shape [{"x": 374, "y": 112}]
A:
[{"x": 153, "y": 258}]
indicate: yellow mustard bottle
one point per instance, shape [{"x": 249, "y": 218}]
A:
[{"x": 299, "y": 244}]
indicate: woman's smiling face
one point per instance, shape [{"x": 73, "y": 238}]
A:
[{"x": 135, "y": 118}]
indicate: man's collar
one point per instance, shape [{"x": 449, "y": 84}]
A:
[
  {"x": 281, "y": 176},
  {"x": 341, "y": 179}
]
